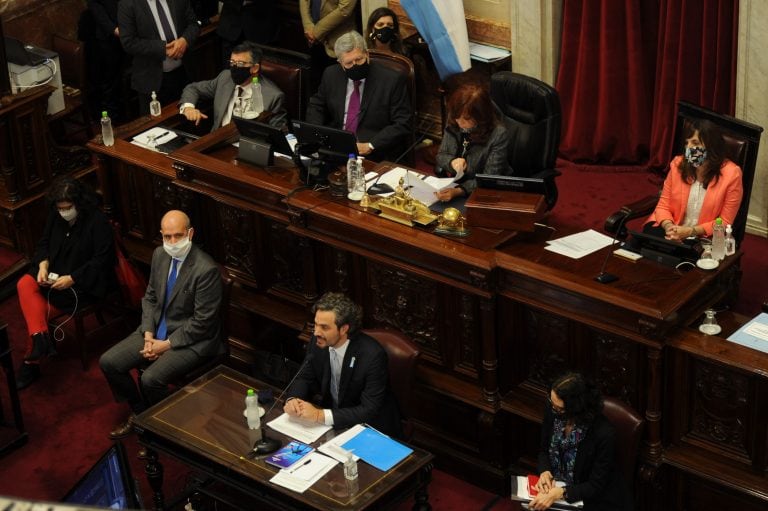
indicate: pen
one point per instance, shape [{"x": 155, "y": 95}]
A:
[
  {"x": 352, "y": 363},
  {"x": 161, "y": 135},
  {"x": 292, "y": 470}
]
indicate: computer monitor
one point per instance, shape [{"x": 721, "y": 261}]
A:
[
  {"x": 107, "y": 484},
  {"x": 332, "y": 145},
  {"x": 662, "y": 250},
  {"x": 259, "y": 141},
  {"x": 513, "y": 183}
]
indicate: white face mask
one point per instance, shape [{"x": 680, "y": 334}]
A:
[
  {"x": 69, "y": 214},
  {"x": 179, "y": 249}
]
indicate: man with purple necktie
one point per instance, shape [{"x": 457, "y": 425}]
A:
[{"x": 363, "y": 97}]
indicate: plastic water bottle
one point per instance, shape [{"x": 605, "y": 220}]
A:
[
  {"x": 252, "y": 409},
  {"x": 351, "y": 172},
  {"x": 730, "y": 242},
  {"x": 107, "y": 136},
  {"x": 257, "y": 99},
  {"x": 718, "y": 240},
  {"x": 155, "y": 108}
]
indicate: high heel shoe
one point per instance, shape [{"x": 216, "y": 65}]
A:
[{"x": 41, "y": 346}]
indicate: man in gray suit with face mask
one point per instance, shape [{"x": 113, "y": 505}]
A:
[
  {"x": 232, "y": 91},
  {"x": 180, "y": 327}
]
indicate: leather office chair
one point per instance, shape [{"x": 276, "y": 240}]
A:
[
  {"x": 403, "y": 355},
  {"x": 629, "y": 431},
  {"x": 404, "y": 66},
  {"x": 290, "y": 71},
  {"x": 531, "y": 112},
  {"x": 742, "y": 140}
]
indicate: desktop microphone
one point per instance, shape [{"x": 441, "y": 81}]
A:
[
  {"x": 269, "y": 445},
  {"x": 376, "y": 188},
  {"x": 607, "y": 278}
]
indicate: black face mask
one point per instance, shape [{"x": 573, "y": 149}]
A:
[
  {"x": 385, "y": 34},
  {"x": 357, "y": 72},
  {"x": 240, "y": 74}
]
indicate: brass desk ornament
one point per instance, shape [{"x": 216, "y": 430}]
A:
[
  {"x": 452, "y": 223},
  {"x": 403, "y": 209}
]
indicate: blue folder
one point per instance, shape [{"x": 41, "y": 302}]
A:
[{"x": 377, "y": 449}]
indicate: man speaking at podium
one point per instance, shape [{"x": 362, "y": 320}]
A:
[
  {"x": 363, "y": 97},
  {"x": 347, "y": 371}
]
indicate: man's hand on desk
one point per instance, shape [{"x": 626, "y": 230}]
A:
[
  {"x": 364, "y": 148},
  {"x": 193, "y": 114},
  {"x": 296, "y": 407}
]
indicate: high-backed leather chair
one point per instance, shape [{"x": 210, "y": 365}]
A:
[
  {"x": 629, "y": 431},
  {"x": 742, "y": 140},
  {"x": 404, "y": 66},
  {"x": 531, "y": 112},
  {"x": 290, "y": 70},
  {"x": 403, "y": 355}
]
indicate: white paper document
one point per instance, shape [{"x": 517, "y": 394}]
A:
[
  {"x": 333, "y": 446},
  {"x": 154, "y": 137},
  {"x": 299, "y": 429},
  {"x": 580, "y": 244},
  {"x": 305, "y": 472},
  {"x": 486, "y": 53},
  {"x": 420, "y": 186},
  {"x": 522, "y": 494}
]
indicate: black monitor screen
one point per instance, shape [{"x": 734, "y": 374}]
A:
[
  {"x": 107, "y": 484},
  {"x": 677, "y": 249},
  {"x": 253, "y": 129},
  {"x": 331, "y": 144}
]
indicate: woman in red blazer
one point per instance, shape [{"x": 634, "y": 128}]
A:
[{"x": 701, "y": 185}]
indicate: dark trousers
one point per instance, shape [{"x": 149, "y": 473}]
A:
[
  {"x": 120, "y": 359},
  {"x": 106, "y": 72},
  {"x": 170, "y": 89}
]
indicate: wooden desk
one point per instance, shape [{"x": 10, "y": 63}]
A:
[
  {"x": 494, "y": 325},
  {"x": 203, "y": 425}
]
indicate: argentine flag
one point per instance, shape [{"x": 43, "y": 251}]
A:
[{"x": 442, "y": 23}]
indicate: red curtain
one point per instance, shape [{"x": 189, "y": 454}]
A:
[{"x": 625, "y": 64}]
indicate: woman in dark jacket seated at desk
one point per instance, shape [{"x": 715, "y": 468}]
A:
[
  {"x": 474, "y": 141},
  {"x": 701, "y": 185},
  {"x": 77, "y": 245},
  {"x": 577, "y": 448}
]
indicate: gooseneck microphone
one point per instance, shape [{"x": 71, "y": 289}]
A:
[
  {"x": 376, "y": 188},
  {"x": 607, "y": 278},
  {"x": 269, "y": 445}
]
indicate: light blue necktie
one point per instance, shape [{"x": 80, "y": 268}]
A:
[
  {"x": 162, "y": 328},
  {"x": 335, "y": 376}
]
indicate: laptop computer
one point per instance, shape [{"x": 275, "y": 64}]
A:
[{"x": 18, "y": 53}]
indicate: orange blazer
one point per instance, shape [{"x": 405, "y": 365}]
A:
[{"x": 722, "y": 200}]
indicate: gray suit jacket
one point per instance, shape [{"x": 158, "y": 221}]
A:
[
  {"x": 141, "y": 39},
  {"x": 192, "y": 314},
  {"x": 221, "y": 89},
  {"x": 488, "y": 158}
]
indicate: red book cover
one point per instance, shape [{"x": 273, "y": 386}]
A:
[{"x": 532, "y": 481}]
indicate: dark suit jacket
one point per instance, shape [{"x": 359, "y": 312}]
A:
[
  {"x": 140, "y": 38},
  {"x": 85, "y": 251},
  {"x": 256, "y": 22},
  {"x": 192, "y": 314},
  {"x": 488, "y": 158},
  {"x": 364, "y": 393},
  {"x": 597, "y": 478},
  {"x": 221, "y": 89},
  {"x": 385, "y": 109},
  {"x": 104, "y": 14}
]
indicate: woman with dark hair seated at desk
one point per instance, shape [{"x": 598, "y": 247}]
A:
[
  {"x": 701, "y": 185},
  {"x": 474, "y": 141},
  {"x": 577, "y": 448},
  {"x": 383, "y": 32}
]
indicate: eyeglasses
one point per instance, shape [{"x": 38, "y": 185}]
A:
[
  {"x": 555, "y": 408},
  {"x": 238, "y": 63}
]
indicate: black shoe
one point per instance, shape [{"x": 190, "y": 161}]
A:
[
  {"x": 124, "y": 429},
  {"x": 41, "y": 346},
  {"x": 28, "y": 374}
]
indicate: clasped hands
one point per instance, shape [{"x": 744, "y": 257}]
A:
[
  {"x": 153, "y": 348},
  {"x": 548, "y": 492},
  {"x": 678, "y": 232},
  {"x": 296, "y": 407},
  {"x": 176, "y": 48}
]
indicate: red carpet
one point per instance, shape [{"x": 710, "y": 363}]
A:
[{"x": 69, "y": 412}]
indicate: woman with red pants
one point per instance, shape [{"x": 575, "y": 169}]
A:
[{"x": 73, "y": 266}]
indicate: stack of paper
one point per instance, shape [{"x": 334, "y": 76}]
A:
[
  {"x": 485, "y": 53},
  {"x": 305, "y": 473},
  {"x": 580, "y": 244},
  {"x": 754, "y": 334},
  {"x": 521, "y": 493},
  {"x": 421, "y": 187},
  {"x": 154, "y": 137},
  {"x": 299, "y": 429}
]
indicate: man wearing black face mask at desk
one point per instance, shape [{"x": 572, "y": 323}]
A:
[
  {"x": 365, "y": 98},
  {"x": 232, "y": 91}
]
